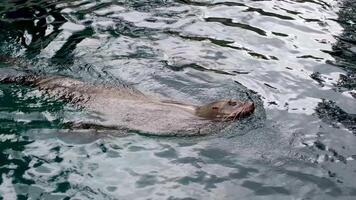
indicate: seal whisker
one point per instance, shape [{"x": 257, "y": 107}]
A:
[
  {"x": 235, "y": 116},
  {"x": 230, "y": 115}
]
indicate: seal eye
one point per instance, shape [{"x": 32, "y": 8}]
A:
[
  {"x": 215, "y": 108},
  {"x": 232, "y": 103}
]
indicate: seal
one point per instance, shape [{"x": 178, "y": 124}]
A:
[{"x": 124, "y": 107}]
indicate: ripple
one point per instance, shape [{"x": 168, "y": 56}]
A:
[
  {"x": 260, "y": 189},
  {"x": 199, "y": 68},
  {"x": 262, "y": 12},
  {"x": 332, "y": 114},
  {"x": 222, "y": 43},
  {"x": 229, "y": 22}
]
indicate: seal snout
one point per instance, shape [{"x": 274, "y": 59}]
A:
[
  {"x": 243, "y": 110},
  {"x": 249, "y": 108}
]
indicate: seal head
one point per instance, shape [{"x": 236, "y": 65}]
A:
[{"x": 225, "y": 110}]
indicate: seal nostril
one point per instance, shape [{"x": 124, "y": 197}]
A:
[{"x": 252, "y": 105}]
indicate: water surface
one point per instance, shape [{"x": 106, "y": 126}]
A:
[{"x": 296, "y": 59}]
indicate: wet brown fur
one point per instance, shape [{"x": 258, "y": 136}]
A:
[{"x": 130, "y": 108}]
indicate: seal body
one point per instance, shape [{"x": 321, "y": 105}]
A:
[{"x": 123, "y": 107}]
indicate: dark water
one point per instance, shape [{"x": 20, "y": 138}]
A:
[{"x": 296, "y": 57}]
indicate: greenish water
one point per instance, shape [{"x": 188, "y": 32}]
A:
[{"x": 296, "y": 59}]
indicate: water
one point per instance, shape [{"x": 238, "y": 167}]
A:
[{"x": 296, "y": 59}]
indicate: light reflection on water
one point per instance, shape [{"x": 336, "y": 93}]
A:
[{"x": 296, "y": 57}]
